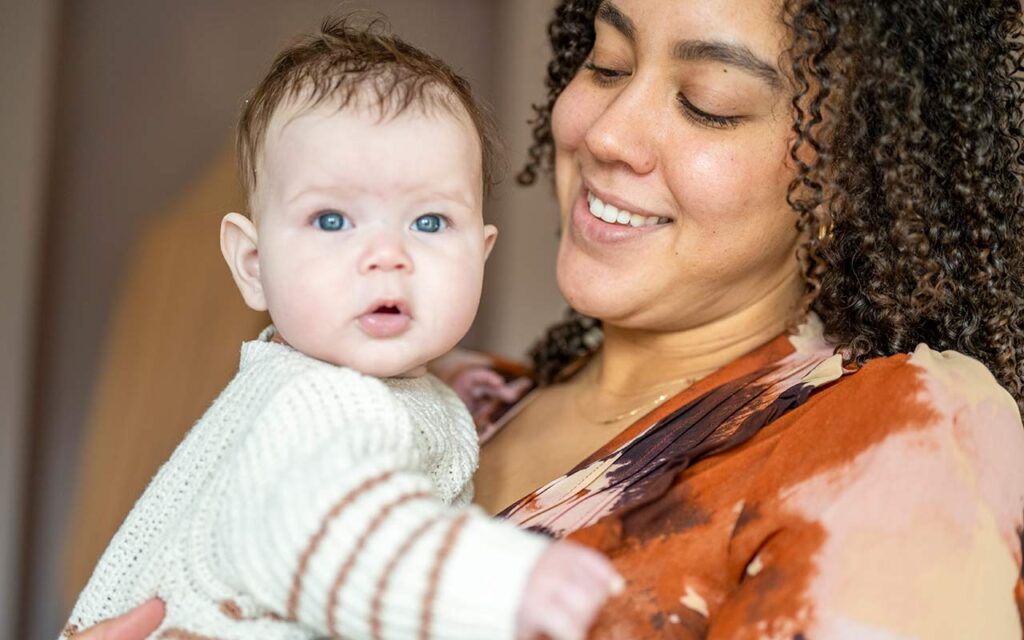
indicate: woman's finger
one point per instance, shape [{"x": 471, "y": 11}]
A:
[{"x": 134, "y": 625}]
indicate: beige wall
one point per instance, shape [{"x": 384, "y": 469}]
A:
[
  {"x": 148, "y": 92},
  {"x": 521, "y": 297},
  {"x": 27, "y": 41}
]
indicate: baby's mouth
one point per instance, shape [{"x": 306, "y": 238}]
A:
[{"x": 386, "y": 319}]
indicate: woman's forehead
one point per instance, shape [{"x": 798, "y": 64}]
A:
[{"x": 681, "y": 28}]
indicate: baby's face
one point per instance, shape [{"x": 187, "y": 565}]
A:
[{"x": 371, "y": 235}]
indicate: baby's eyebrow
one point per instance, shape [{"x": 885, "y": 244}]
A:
[
  {"x": 303, "y": 193},
  {"x": 451, "y": 195}
]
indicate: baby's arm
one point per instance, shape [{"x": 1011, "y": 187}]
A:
[{"x": 329, "y": 520}]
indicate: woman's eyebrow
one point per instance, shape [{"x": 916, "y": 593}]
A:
[
  {"x": 733, "y": 55},
  {"x": 730, "y": 54},
  {"x": 612, "y": 15}
]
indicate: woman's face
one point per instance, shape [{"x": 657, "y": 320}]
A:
[{"x": 680, "y": 119}]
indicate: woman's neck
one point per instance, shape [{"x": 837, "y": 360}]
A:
[{"x": 632, "y": 360}]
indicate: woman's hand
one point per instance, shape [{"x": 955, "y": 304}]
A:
[{"x": 134, "y": 625}]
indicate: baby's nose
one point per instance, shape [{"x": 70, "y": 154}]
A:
[{"x": 386, "y": 254}]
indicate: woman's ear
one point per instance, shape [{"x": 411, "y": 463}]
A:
[
  {"x": 490, "y": 235},
  {"x": 239, "y": 243}
]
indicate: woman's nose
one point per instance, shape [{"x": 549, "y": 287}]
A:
[
  {"x": 624, "y": 132},
  {"x": 385, "y": 252}
]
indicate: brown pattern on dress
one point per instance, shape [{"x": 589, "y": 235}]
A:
[
  {"x": 689, "y": 429},
  {"x": 1018, "y": 592},
  {"x": 314, "y": 542},
  {"x": 672, "y": 501},
  {"x": 724, "y": 534},
  {"x": 70, "y": 630}
]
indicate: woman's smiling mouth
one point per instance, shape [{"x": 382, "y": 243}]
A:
[
  {"x": 613, "y": 215},
  {"x": 595, "y": 221}
]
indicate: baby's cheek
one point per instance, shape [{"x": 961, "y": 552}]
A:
[
  {"x": 457, "y": 299},
  {"x": 302, "y": 312}
]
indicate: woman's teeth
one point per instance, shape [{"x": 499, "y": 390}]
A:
[{"x": 613, "y": 215}]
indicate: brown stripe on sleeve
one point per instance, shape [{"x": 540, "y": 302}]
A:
[
  {"x": 314, "y": 542},
  {"x": 183, "y": 634},
  {"x": 232, "y": 610},
  {"x": 382, "y": 583},
  {"x": 435, "y": 574},
  {"x": 346, "y": 568}
]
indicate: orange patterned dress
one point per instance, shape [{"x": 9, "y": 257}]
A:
[{"x": 882, "y": 503}]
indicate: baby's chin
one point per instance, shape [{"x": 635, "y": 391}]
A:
[{"x": 379, "y": 367}]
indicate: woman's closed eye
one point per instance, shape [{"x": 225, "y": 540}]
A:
[
  {"x": 332, "y": 221},
  {"x": 604, "y": 76},
  {"x": 607, "y": 77},
  {"x": 430, "y": 223},
  {"x": 700, "y": 116}
]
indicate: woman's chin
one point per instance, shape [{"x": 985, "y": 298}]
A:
[{"x": 596, "y": 299}]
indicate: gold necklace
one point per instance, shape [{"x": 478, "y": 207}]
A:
[{"x": 647, "y": 406}]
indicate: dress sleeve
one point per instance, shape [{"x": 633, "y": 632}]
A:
[
  {"x": 328, "y": 518},
  {"x": 912, "y": 530}
]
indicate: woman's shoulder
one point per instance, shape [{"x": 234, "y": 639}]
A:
[
  {"x": 941, "y": 380},
  {"x": 912, "y": 428},
  {"x": 946, "y": 392},
  {"x": 910, "y": 466}
]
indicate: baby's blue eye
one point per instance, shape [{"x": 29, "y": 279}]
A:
[
  {"x": 331, "y": 221},
  {"x": 430, "y": 223}
]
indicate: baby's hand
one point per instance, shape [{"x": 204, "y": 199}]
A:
[
  {"x": 482, "y": 389},
  {"x": 566, "y": 590}
]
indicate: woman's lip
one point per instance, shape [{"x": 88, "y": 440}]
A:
[
  {"x": 588, "y": 227},
  {"x": 608, "y": 198},
  {"x": 384, "y": 325}
]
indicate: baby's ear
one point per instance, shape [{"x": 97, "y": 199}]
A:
[
  {"x": 490, "y": 235},
  {"x": 239, "y": 243}
]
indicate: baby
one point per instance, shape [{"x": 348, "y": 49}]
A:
[{"x": 327, "y": 490}]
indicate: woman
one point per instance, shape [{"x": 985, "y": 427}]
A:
[{"x": 747, "y": 188}]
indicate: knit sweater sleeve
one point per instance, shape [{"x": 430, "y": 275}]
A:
[{"x": 329, "y": 519}]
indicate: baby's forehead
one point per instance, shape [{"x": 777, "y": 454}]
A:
[
  {"x": 355, "y": 149},
  {"x": 364, "y": 123},
  {"x": 368, "y": 106}
]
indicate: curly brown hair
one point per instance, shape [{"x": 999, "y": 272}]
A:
[{"x": 908, "y": 150}]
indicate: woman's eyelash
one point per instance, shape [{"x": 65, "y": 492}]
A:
[
  {"x": 603, "y": 75},
  {"x": 703, "y": 117}
]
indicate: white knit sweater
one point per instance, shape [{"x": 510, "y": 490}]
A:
[{"x": 311, "y": 500}]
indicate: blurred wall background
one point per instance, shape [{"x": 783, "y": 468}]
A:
[
  {"x": 112, "y": 110},
  {"x": 27, "y": 47}
]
